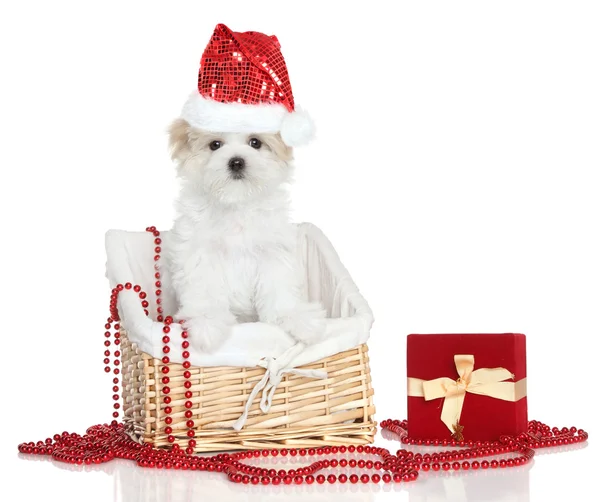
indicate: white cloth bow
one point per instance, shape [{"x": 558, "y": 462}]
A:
[{"x": 275, "y": 371}]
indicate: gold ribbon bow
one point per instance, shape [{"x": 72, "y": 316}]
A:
[{"x": 483, "y": 381}]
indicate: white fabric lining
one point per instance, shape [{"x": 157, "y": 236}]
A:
[{"x": 130, "y": 259}]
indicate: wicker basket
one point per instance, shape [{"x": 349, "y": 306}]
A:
[
  {"x": 326, "y": 402},
  {"x": 305, "y": 412}
]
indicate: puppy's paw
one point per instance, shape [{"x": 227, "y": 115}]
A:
[
  {"x": 207, "y": 335},
  {"x": 306, "y": 323}
]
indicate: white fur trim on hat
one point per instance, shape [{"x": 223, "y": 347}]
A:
[{"x": 296, "y": 128}]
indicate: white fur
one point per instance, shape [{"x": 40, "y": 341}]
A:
[
  {"x": 233, "y": 249},
  {"x": 296, "y": 127}
]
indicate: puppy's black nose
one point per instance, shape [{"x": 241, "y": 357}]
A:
[{"x": 236, "y": 164}]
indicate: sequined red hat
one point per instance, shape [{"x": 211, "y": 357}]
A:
[{"x": 243, "y": 86}]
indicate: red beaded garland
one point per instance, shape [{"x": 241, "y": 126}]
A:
[
  {"x": 102, "y": 443},
  {"x": 157, "y": 274}
]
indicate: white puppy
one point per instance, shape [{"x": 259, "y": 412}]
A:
[{"x": 233, "y": 251}]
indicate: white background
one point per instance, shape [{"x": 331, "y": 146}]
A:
[{"x": 455, "y": 170}]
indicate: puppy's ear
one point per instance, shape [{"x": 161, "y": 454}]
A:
[
  {"x": 179, "y": 140},
  {"x": 276, "y": 144}
]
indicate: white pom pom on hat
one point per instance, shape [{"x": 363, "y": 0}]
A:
[
  {"x": 297, "y": 128},
  {"x": 243, "y": 86}
]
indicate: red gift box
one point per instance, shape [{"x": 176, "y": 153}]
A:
[{"x": 466, "y": 386}]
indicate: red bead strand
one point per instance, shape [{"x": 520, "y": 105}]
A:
[
  {"x": 157, "y": 276},
  {"x": 168, "y": 320},
  {"x": 102, "y": 443},
  {"x": 187, "y": 384},
  {"x": 166, "y": 389}
]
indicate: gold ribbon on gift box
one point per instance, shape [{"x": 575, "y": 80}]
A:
[{"x": 489, "y": 382}]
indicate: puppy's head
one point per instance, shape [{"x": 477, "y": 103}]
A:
[{"x": 230, "y": 167}]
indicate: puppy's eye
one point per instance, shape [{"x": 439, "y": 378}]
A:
[
  {"x": 215, "y": 145},
  {"x": 255, "y": 143}
]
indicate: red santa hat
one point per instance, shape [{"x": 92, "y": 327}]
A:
[{"x": 243, "y": 86}]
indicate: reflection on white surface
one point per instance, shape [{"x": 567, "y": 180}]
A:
[
  {"x": 505, "y": 485},
  {"x": 498, "y": 485},
  {"x": 135, "y": 484},
  {"x": 153, "y": 485}
]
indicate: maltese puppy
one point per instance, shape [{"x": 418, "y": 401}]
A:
[{"x": 233, "y": 249}]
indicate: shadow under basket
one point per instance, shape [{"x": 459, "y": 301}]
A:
[{"x": 305, "y": 412}]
